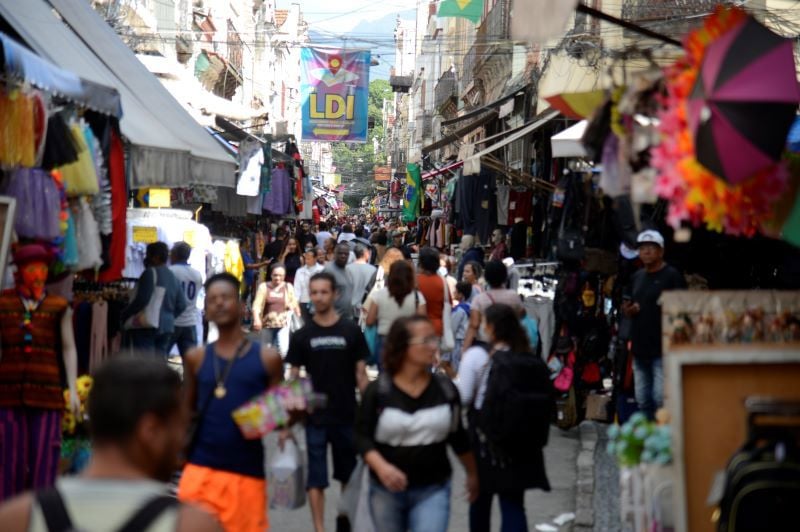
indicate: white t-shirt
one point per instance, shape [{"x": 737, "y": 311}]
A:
[
  {"x": 473, "y": 375},
  {"x": 389, "y": 310},
  {"x": 191, "y": 282}
]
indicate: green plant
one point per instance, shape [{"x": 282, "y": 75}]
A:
[{"x": 640, "y": 441}]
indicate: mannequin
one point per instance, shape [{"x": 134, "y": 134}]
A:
[
  {"x": 471, "y": 250},
  {"x": 499, "y": 251},
  {"x": 33, "y": 325}
]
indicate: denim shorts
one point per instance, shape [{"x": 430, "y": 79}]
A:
[{"x": 343, "y": 449}]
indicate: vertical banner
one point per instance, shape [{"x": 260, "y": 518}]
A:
[
  {"x": 335, "y": 94},
  {"x": 413, "y": 195}
]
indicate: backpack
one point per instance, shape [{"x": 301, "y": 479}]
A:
[
  {"x": 761, "y": 489},
  {"x": 57, "y": 517},
  {"x": 519, "y": 402}
]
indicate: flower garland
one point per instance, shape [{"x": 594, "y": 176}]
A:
[{"x": 696, "y": 194}]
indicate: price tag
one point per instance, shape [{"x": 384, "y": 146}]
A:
[
  {"x": 145, "y": 235},
  {"x": 190, "y": 237},
  {"x": 159, "y": 197}
]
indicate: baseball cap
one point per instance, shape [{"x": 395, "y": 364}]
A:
[{"x": 650, "y": 237}]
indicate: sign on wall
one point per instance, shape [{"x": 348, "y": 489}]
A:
[{"x": 335, "y": 94}]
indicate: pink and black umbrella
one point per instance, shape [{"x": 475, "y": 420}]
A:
[{"x": 744, "y": 101}]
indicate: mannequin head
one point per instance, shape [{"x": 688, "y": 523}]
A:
[
  {"x": 467, "y": 241},
  {"x": 32, "y": 262},
  {"x": 498, "y": 236}
]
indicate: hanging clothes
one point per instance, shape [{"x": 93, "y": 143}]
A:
[
  {"x": 251, "y": 160},
  {"x": 38, "y": 203},
  {"x": 88, "y": 233},
  {"x": 266, "y": 167},
  {"x": 80, "y": 177},
  {"x": 503, "y": 192},
  {"x": 119, "y": 208},
  {"x": 520, "y": 205},
  {"x": 279, "y": 199}
]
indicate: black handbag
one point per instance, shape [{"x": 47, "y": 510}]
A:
[{"x": 570, "y": 243}]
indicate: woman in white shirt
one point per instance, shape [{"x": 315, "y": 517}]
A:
[{"x": 398, "y": 299}]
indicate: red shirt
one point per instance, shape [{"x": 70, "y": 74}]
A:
[{"x": 432, "y": 287}]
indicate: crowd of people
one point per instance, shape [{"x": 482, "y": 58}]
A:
[{"x": 336, "y": 300}]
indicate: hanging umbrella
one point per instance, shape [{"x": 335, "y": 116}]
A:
[
  {"x": 744, "y": 101},
  {"x": 577, "y": 105}
]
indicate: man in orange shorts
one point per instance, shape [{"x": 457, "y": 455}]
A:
[{"x": 225, "y": 472}]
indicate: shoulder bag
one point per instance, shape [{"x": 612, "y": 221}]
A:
[
  {"x": 148, "y": 317},
  {"x": 448, "y": 340}
]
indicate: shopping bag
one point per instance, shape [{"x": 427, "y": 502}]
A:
[
  {"x": 448, "y": 339},
  {"x": 287, "y": 478},
  {"x": 354, "y": 502},
  {"x": 148, "y": 317},
  {"x": 371, "y": 336}
]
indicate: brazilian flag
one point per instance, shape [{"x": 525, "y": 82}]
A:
[
  {"x": 413, "y": 195},
  {"x": 468, "y": 9}
]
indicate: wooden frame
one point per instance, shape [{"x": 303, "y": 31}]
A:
[
  {"x": 717, "y": 356},
  {"x": 8, "y": 209}
]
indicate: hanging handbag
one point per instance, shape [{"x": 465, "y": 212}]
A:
[
  {"x": 448, "y": 339},
  {"x": 570, "y": 244},
  {"x": 148, "y": 317}
]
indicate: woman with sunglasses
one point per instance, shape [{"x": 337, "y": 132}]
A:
[{"x": 408, "y": 417}]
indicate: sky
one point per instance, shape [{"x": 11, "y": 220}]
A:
[
  {"x": 342, "y": 16},
  {"x": 339, "y": 17}
]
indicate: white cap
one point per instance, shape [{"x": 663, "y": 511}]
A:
[{"x": 650, "y": 237}]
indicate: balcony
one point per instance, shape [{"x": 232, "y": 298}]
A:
[
  {"x": 445, "y": 91},
  {"x": 493, "y": 35},
  {"x": 427, "y": 125}
]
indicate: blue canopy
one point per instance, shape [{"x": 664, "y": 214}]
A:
[
  {"x": 793, "y": 140},
  {"x": 21, "y": 63}
]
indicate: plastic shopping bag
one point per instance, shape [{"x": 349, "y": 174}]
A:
[
  {"x": 354, "y": 502},
  {"x": 287, "y": 478}
]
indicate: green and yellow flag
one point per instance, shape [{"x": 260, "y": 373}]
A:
[
  {"x": 413, "y": 195},
  {"x": 468, "y": 9}
]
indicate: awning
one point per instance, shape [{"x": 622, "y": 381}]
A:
[
  {"x": 439, "y": 171},
  {"x": 19, "y": 62},
  {"x": 568, "y": 142},
  {"x": 483, "y": 109},
  {"x": 168, "y": 148},
  {"x": 191, "y": 94},
  {"x": 546, "y": 117},
  {"x": 457, "y": 134}
]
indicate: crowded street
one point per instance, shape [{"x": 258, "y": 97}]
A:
[{"x": 407, "y": 266}]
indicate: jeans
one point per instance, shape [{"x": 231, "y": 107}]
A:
[
  {"x": 512, "y": 512},
  {"x": 150, "y": 341},
  {"x": 648, "y": 382},
  {"x": 185, "y": 337},
  {"x": 418, "y": 509},
  {"x": 277, "y": 337}
]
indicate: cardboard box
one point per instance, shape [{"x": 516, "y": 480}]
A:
[{"x": 597, "y": 407}]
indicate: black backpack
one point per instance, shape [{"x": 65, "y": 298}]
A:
[
  {"x": 762, "y": 489},
  {"x": 57, "y": 517},
  {"x": 519, "y": 402}
]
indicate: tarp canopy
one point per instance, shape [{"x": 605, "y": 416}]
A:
[
  {"x": 19, "y": 62},
  {"x": 168, "y": 148},
  {"x": 545, "y": 117},
  {"x": 568, "y": 142}
]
